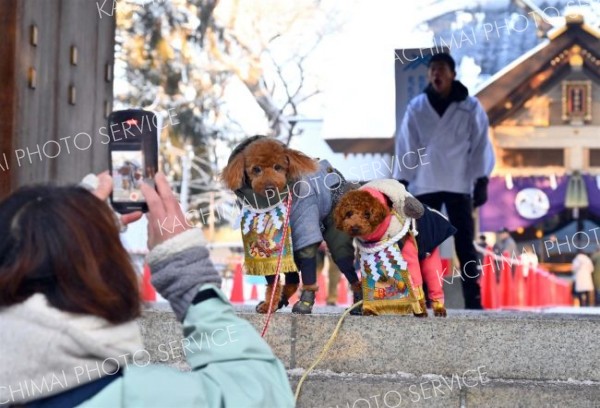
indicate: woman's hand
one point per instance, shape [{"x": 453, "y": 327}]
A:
[
  {"x": 102, "y": 191},
  {"x": 165, "y": 218}
]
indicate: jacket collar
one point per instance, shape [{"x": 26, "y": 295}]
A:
[{"x": 50, "y": 351}]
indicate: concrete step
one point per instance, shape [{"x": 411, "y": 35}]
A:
[
  {"x": 339, "y": 390},
  {"x": 528, "y": 359}
]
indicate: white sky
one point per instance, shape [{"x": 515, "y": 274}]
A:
[
  {"x": 356, "y": 69},
  {"x": 360, "y": 87}
]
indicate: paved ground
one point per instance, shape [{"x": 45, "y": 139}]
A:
[
  {"x": 454, "y": 304},
  {"x": 456, "y": 313}
]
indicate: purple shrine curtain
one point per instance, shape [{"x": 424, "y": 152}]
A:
[
  {"x": 503, "y": 210},
  {"x": 593, "y": 194}
]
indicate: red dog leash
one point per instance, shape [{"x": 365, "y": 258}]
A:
[{"x": 277, "y": 270}]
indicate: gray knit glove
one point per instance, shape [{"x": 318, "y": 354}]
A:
[{"x": 180, "y": 266}]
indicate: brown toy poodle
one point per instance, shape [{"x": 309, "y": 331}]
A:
[{"x": 360, "y": 214}]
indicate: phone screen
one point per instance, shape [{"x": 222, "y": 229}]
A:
[
  {"x": 128, "y": 172},
  {"x": 133, "y": 155}
]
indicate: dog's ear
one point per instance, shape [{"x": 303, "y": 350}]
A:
[
  {"x": 299, "y": 164},
  {"x": 413, "y": 208},
  {"x": 379, "y": 212},
  {"x": 338, "y": 215},
  {"x": 233, "y": 174}
]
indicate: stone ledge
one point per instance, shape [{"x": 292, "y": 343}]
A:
[
  {"x": 511, "y": 345},
  {"x": 334, "y": 390}
]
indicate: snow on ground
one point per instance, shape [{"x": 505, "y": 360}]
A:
[{"x": 572, "y": 310}]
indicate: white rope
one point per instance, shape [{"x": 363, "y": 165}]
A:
[
  {"x": 496, "y": 257},
  {"x": 517, "y": 261}
]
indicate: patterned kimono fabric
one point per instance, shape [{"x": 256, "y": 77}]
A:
[
  {"x": 387, "y": 285},
  {"x": 262, "y": 233}
]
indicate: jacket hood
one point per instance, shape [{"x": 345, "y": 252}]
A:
[
  {"x": 392, "y": 189},
  {"x": 239, "y": 148},
  {"x": 50, "y": 351}
]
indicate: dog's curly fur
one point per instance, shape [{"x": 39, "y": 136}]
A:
[
  {"x": 267, "y": 164},
  {"x": 359, "y": 213}
]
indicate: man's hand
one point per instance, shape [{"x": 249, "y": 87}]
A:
[
  {"x": 480, "y": 192},
  {"x": 165, "y": 218}
]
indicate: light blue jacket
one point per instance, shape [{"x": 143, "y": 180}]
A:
[
  {"x": 242, "y": 373},
  {"x": 445, "y": 153}
]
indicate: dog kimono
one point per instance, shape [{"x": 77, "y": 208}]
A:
[
  {"x": 397, "y": 239},
  {"x": 265, "y": 174}
]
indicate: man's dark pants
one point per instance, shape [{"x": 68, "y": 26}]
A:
[{"x": 460, "y": 208}]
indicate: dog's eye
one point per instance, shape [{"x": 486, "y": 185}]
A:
[
  {"x": 349, "y": 214},
  {"x": 367, "y": 215},
  {"x": 256, "y": 170},
  {"x": 277, "y": 167}
]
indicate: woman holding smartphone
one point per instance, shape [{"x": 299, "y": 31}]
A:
[{"x": 69, "y": 299}]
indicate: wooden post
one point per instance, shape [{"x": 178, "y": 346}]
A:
[
  {"x": 56, "y": 89},
  {"x": 9, "y": 9}
]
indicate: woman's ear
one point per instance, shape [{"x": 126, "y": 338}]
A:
[
  {"x": 299, "y": 164},
  {"x": 413, "y": 208},
  {"x": 233, "y": 174}
]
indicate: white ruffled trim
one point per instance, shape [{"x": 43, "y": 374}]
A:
[
  {"x": 179, "y": 243},
  {"x": 266, "y": 209},
  {"x": 386, "y": 242},
  {"x": 263, "y": 210}
]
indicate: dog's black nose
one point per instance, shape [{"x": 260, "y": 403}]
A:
[{"x": 355, "y": 230}]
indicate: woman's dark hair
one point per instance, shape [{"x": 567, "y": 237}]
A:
[{"x": 64, "y": 242}]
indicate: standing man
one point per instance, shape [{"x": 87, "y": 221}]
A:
[
  {"x": 505, "y": 243},
  {"x": 483, "y": 245},
  {"x": 452, "y": 128}
]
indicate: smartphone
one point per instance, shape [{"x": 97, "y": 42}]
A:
[{"x": 133, "y": 157}]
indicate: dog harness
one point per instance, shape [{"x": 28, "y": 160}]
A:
[{"x": 262, "y": 233}]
